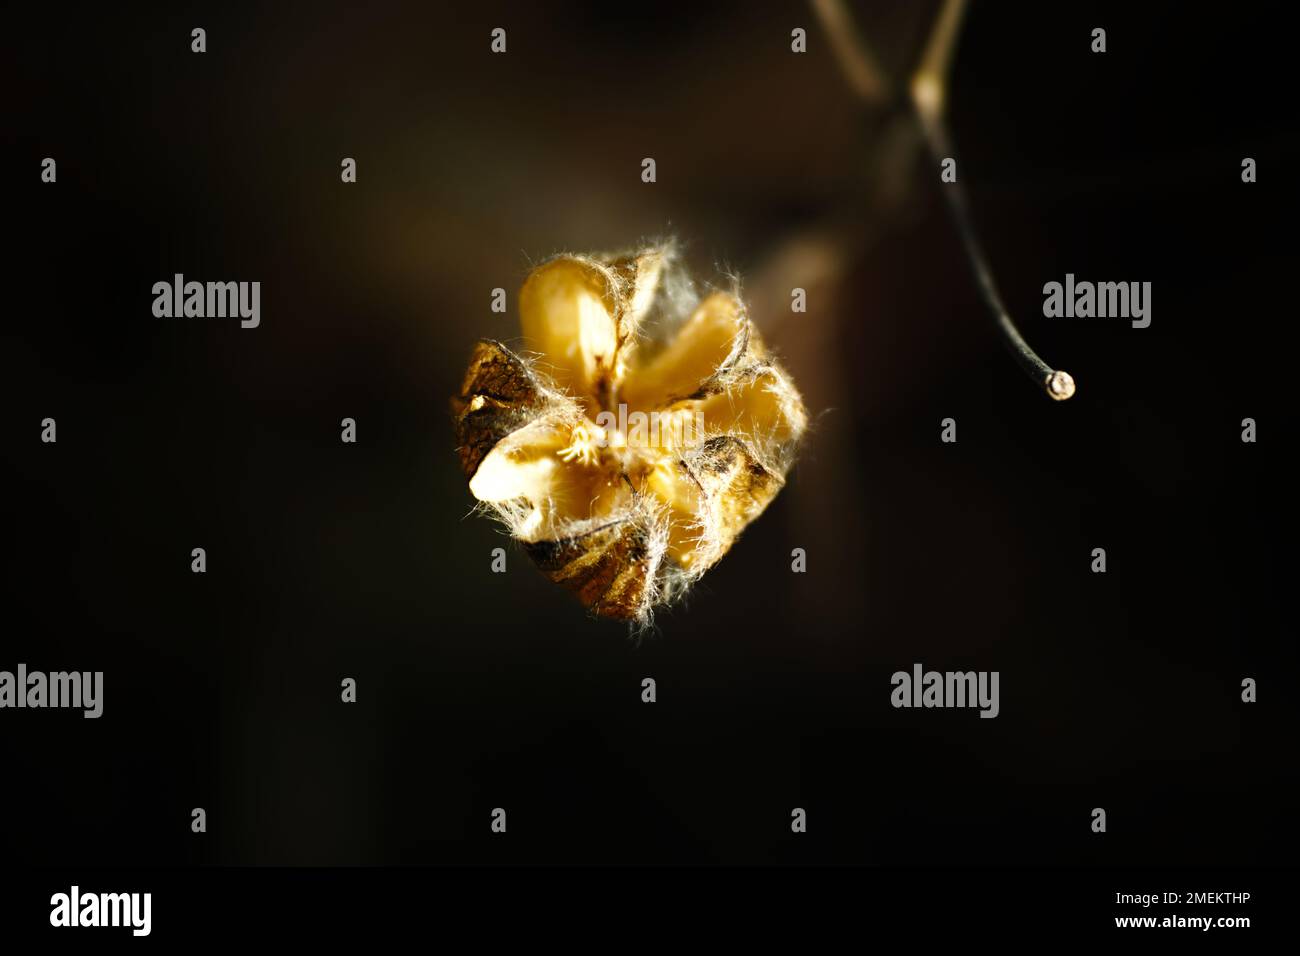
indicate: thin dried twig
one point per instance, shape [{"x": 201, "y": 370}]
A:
[
  {"x": 929, "y": 89},
  {"x": 859, "y": 64}
]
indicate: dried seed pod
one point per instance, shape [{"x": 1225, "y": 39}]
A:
[{"x": 626, "y": 466}]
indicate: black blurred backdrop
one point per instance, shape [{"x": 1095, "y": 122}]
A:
[{"x": 478, "y": 690}]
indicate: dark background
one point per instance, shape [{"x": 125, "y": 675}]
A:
[{"x": 479, "y": 690}]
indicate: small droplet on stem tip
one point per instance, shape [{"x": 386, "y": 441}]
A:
[{"x": 1060, "y": 385}]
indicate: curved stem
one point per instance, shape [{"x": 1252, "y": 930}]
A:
[
  {"x": 929, "y": 90},
  {"x": 1058, "y": 384},
  {"x": 929, "y": 96}
]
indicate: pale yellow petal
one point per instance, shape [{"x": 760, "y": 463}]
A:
[
  {"x": 567, "y": 308},
  {"x": 538, "y": 490},
  {"x": 761, "y": 407},
  {"x": 705, "y": 349},
  {"x": 674, "y": 488}
]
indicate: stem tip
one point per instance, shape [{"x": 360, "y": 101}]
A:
[{"x": 1060, "y": 385}]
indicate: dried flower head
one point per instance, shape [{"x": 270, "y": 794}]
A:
[{"x": 625, "y": 465}]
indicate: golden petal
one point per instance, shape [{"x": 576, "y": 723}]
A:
[
  {"x": 674, "y": 487},
  {"x": 538, "y": 492},
  {"x": 568, "y": 308},
  {"x": 711, "y": 344},
  {"x": 760, "y": 406}
]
